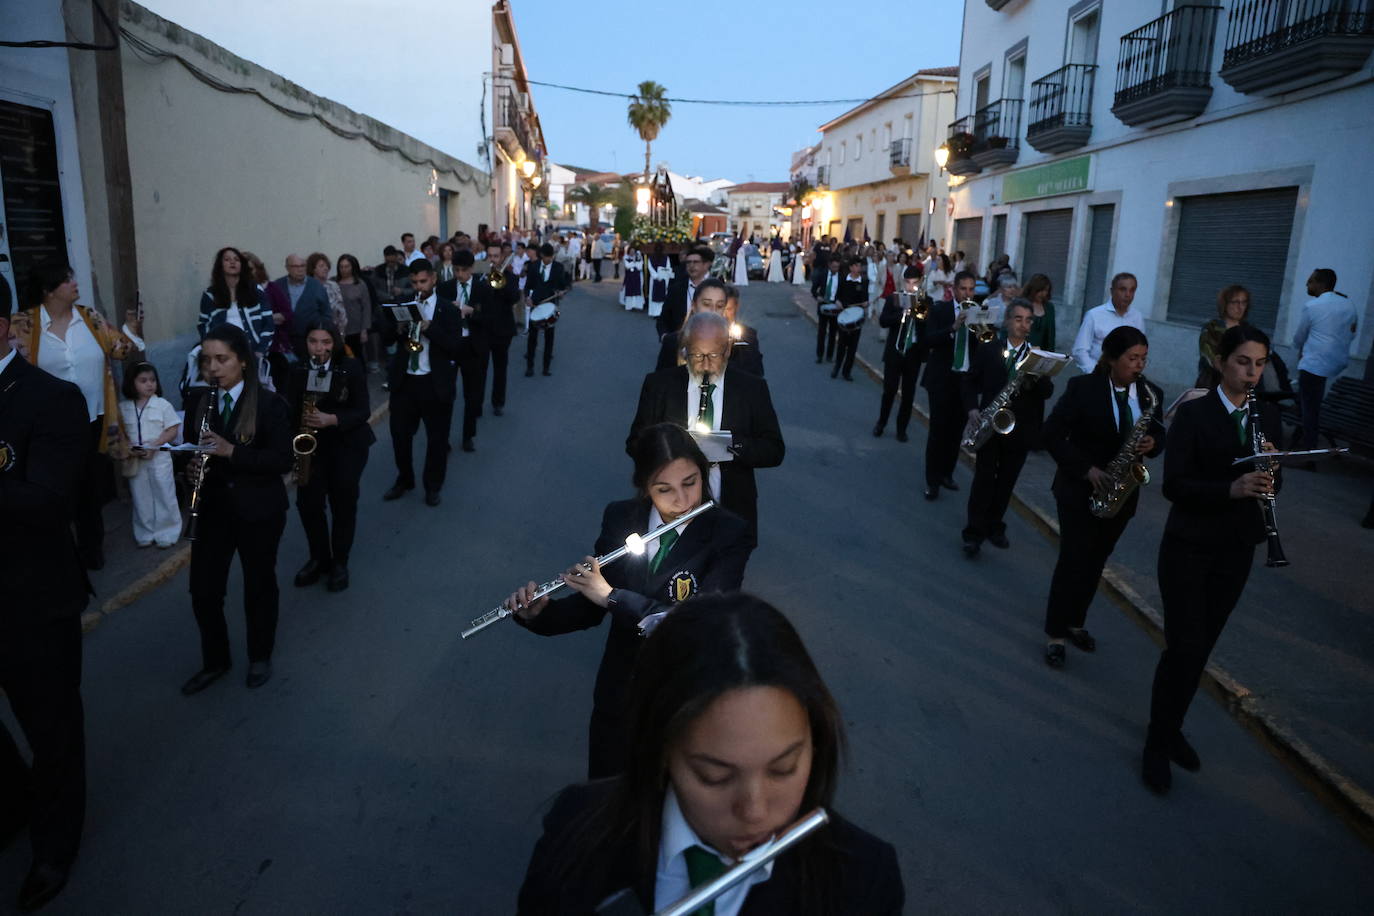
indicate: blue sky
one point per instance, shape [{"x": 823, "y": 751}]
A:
[{"x": 363, "y": 54}]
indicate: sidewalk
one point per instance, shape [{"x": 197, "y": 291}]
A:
[
  {"x": 130, "y": 571},
  {"x": 1297, "y": 659}
]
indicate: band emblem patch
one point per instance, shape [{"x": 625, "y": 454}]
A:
[
  {"x": 8, "y": 456},
  {"x": 682, "y": 585}
]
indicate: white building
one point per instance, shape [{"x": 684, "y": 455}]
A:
[
  {"x": 518, "y": 151},
  {"x": 876, "y": 164},
  {"x": 755, "y": 208},
  {"x": 1206, "y": 146}
]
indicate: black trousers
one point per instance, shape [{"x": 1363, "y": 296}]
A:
[
  {"x": 995, "y": 471},
  {"x": 1311, "y": 390},
  {"x": 1199, "y": 586},
  {"x": 500, "y": 359},
  {"x": 596, "y": 269},
  {"x": 472, "y": 366},
  {"x": 413, "y": 402},
  {"x": 221, "y": 536},
  {"x": 947, "y": 421},
  {"x": 40, "y": 673},
  {"x": 847, "y": 348},
  {"x": 355, "y": 344},
  {"x": 280, "y": 367},
  {"x": 334, "y": 475},
  {"x": 91, "y": 494},
  {"x": 899, "y": 374},
  {"x": 826, "y": 330},
  {"x": 1085, "y": 543},
  {"x": 532, "y": 344}
]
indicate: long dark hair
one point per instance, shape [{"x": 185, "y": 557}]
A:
[
  {"x": 324, "y": 324},
  {"x": 662, "y": 444},
  {"x": 131, "y": 375},
  {"x": 245, "y": 293},
  {"x": 46, "y": 276},
  {"x": 353, "y": 263},
  {"x": 246, "y": 417},
  {"x": 1118, "y": 342},
  {"x": 706, "y": 647}
]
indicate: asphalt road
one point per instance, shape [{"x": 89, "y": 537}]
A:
[{"x": 391, "y": 768}]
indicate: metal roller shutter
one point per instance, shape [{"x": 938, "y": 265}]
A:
[
  {"x": 1045, "y": 249},
  {"x": 909, "y": 228},
  {"x": 968, "y": 238},
  {"x": 1099, "y": 249},
  {"x": 1232, "y": 238},
  {"x": 999, "y": 235}
]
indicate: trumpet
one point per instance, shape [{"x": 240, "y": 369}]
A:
[
  {"x": 985, "y": 331},
  {"x": 634, "y": 544},
  {"x": 412, "y": 341},
  {"x": 497, "y": 275}
]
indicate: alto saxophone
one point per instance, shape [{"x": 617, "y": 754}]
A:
[
  {"x": 997, "y": 416},
  {"x": 197, "y": 469},
  {"x": 304, "y": 443},
  {"x": 1127, "y": 471}
]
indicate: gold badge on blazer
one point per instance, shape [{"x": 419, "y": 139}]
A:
[
  {"x": 7, "y": 456},
  {"x": 682, "y": 585}
]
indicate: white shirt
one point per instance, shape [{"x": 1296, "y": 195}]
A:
[
  {"x": 671, "y": 879},
  {"x": 517, "y": 264},
  {"x": 598, "y": 249},
  {"x": 78, "y": 359},
  {"x": 144, "y": 426},
  {"x": 717, "y": 409},
  {"x": 5, "y": 362},
  {"x": 415, "y": 255},
  {"x": 427, "y": 313},
  {"x": 1098, "y": 322},
  {"x": 1131, "y": 400},
  {"x": 1325, "y": 333}
]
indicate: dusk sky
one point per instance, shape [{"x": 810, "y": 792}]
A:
[{"x": 362, "y": 53}]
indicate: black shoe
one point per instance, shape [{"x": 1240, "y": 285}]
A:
[
  {"x": 529, "y": 372},
  {"x": 819, "y": 360},
  {"x": 835, "y": 373},
  {"x": 1368, "y": 521},
  {"x": 1054, "y": 655},
  {"x": 202, "y": 679},
  {"x": 1154, "y": 770},
  {"x": 848, "y": 377},
  {"x": 496, "y": 411},
  {"x": 43, "y": 884},
  {"x": 310, "y": 573},
  {"x": 878, "y": 431},
  {"x": 432, "y": 498},
  {"x": 259, "y": 673},
  {"x": 468, "y": 446},
  {"x": 971, "y": 548},
  {"x": 948, "y": 482},
  {"x": 398, "y": 489},
  {"x": 1182, "y": 753},
  {"x": 546, "y": 371},
  {"x": 1082, "y": 640},
  {"x": 999, "y": 541},
  {"x": 902, "y": 436},
  {"x": 932, "y": 494},
  {"x": 338, "y": 578}
]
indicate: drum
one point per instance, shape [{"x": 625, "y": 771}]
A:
[
  {"x": 851, "y": 318},
  {"x": 830, "y": 308},
  {"x": 544, "y": 314}
]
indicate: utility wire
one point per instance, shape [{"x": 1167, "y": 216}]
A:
[
  {"x": 74, "y": 45},
  {"x": 743, "y": 102}
]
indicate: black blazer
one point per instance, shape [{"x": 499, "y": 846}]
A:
[
  {"x": 744, "y": 355},
  {"x": 443, "y": 338},
  {"x": 891, "y": 318},
  {"x": 1198, "y": 474},
  {"x": 537, "y": 288},
  {"x": 482, "y": 303},
  {"x": 496, "y": 306},
  {"x": 819, "y": 279},
  {"x": 1081, "y": 433},
  {"x": 248, "y": 484},
  {"x": 43, "y": 443},
  {"x": 852, "y": 290},
  {"x": 348, "y": 399},
  {"x": 866, "y": 877},
  {"x": 400, "y": 279},
  {"x": 987, "y": 375},
  {"x": 747, "y": 412},
  {"x": 675, "y": 306},
  {"x": 938, "y": 343}
]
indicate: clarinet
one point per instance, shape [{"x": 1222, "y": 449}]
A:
[
  {"x": 703, "y": 405},
  {"x": 1267, "y": 501},
  {"x": 198, "y": 462}
]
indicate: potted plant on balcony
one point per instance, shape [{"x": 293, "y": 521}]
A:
[
  {"x": 960, "y": 145},
  {"x": 998, "y": 142}
]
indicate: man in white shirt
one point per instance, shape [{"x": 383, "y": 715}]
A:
[
  {"x": 408, "y": 253},
  {"x": 598, "y": 254},
  {"x": 1101, "y": 320},
  {"x": 1323, "y": 339}
]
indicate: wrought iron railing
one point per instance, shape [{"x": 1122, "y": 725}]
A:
[
  {"x": 509, "y": 115},
  {"x": 899, "y": 153},
  {"x": 1064, "y": 98},
  {"x": 997, "y": 126},
  {"x": 1170, "y": 52},
  {"x": 822, "y": 176},
  {"x": 1255, "y": 28}
]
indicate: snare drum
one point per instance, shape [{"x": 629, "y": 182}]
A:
[
  {"x": 851, "y": 318},
  {"x": 830, "y": 308},
  {"x": 544, "y": 315}
]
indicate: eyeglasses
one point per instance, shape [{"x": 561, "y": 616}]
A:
[{"x": 703, "y": 358}]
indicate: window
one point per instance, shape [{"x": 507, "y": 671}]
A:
[
  {"x": 1083, "y": 31},
  {"x": 981, "y": 81},
  {"x": 1014, "y": 81},
  {"x": 858, "y": 147}
]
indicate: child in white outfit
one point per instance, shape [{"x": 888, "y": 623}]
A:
[{"x": 151, "y": 422}]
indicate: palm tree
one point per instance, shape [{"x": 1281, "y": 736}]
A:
[
  {"x": 649, "y": 110},
  {"x": 593, "y": 196}
]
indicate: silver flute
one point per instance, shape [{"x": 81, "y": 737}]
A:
[
  {"x": 633, "y": 544},
  {"x": 741, "y": 870}
]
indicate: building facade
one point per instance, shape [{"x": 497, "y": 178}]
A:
[
  {"x": 1206, "y": 146},
  {"x": 517, "y": 150},
  {"x": 755, "y": 208},
  {"x": 876, "y": 166}
]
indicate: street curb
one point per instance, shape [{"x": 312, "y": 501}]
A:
[
  {"x": 1349, "y": 798},
  {"x": 169, "y": 567}
]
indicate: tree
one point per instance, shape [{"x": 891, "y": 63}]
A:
[
  {"x": 593, "y": 196},
  {"x": 649, "y": 110},
  {"x": 623, "y": 199}
]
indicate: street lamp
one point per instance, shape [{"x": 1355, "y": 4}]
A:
[
  {"x": 527, "y": 166},
  {"x": 536, "y": 181},
  {"x": 942, "y": 156},
  {"x": 642, "y": 195}
]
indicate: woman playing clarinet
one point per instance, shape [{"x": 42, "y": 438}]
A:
[
  {"x": 734, "y": 736},
  {"x": 1100, "y": 415},
  {"x": 1209, "y": 540},
  {"x": 708, "y": 554}
]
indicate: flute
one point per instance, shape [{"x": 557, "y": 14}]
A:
[{"x": 634, "y": 544}]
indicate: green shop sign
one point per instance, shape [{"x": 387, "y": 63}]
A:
[{"x": 1067, "y": 176}]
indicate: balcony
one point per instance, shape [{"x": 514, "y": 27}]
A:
[
  {"x": 899, "y": 156},
  {"x": 512, "y": 128},
  {"x": 960, "y": 146},
  {"x": 822, "y": 176},
  {"x": 996, "y": 5},
  {"x": 996, "y": 132},
  {"x": 1164, "y": 71},
  {"x": 1275, "y": 46},
  {"x": 1061, "y": 109}
]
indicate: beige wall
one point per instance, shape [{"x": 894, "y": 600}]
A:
[{"x": 211, "y": 169}]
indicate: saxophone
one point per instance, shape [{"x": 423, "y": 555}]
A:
[
  {"x": 1127, "y": 471},
  {"x": 197, "y": 469},
  {"x": 304, "y": 444},
  {"x": 997, "y": 416}
]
